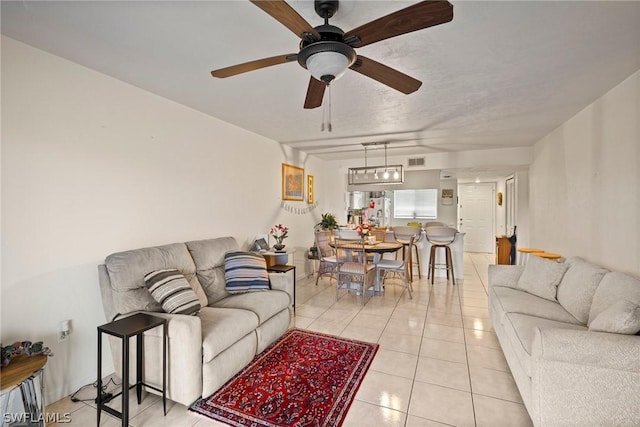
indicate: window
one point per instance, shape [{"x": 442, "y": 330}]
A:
[{"x": 415, "y": 204}]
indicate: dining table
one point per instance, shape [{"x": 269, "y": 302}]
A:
[{"x": 378, "y": 248}]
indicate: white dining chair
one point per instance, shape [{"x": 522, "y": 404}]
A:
[
  {"x": 353, "y": 267},
  {"x": 397, "y": 266},
  {"x": 327, "y": 260}
]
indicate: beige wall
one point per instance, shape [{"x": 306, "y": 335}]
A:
[
  {"x": 90, "y": 166},
  {"x": 585, "y": 183}
]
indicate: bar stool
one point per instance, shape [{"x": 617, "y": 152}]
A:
[
  {"x": 403, "y": 235},
  {"x": 441, "y": 237},
  {"x": 548, "y": 255},
  {"x": 524, "y": 254}
]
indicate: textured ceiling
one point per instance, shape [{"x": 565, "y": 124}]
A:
[{"x": 501, "y": 74}]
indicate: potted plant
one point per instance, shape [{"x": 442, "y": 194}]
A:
[{"x": 327, "y": 222}]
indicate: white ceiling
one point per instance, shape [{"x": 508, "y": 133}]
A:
[{"x": 501, "y": 74}]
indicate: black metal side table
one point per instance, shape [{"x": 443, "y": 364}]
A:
[{"x": 125, "y": 329}]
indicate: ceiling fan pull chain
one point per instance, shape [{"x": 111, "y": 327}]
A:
[{"x": 326, "y": 111}]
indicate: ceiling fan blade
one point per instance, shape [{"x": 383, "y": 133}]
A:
[
  {"x": 253, "y": 65},
  {"x": 287, "y": 16},
  {"x": 421, "y": 15},
  {"x": 315, "y": 93},
  {"x": 386, "y": 75}
]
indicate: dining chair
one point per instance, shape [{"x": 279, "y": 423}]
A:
[
  {"x": 434, "y": 224},
  {"x": 402, "y": 234},
  {"x": 397, "y": 266},
  {"x": 353, "y": 267},
  {"x": 346, "y": 233},
  {"x": 378, "y": 233},
  {"x": 328, "y": 262},
  {"x": 441, "y": 237}
]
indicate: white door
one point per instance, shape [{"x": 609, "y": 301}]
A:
[{"x": 476, "y": 212}]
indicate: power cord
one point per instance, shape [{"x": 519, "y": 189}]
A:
[{"x": 106, "y": 396}]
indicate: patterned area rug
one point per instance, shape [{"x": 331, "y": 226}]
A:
[{"x": 303, "y": 379}]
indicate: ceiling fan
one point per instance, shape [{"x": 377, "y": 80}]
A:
[{"x": 327, "y": 51}]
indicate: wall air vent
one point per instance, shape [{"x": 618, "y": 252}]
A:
[{"x": 415, "y": 162}]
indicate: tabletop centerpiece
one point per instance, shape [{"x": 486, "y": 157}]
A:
[{"x": 279, "y": 233}]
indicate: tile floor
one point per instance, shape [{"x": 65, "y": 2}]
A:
[{"x": 439, "y": 361}]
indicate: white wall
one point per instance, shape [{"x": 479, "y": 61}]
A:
[
  {"x": 91, "y": 166},
  {"x": 585, "y": 183}
]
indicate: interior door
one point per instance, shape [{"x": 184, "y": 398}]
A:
[{"x": 476, "y": 209}]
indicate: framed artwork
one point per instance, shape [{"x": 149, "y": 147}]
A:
[
  {"x": 292, "y": 182},
  {"x": 447, "y": 196},
  {"x": 310, "y": 189}
]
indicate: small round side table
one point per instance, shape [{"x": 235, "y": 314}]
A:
[
  {"x": 24, "y": 373},
  {"x": 524, "y": 254},
  {"x": 548, "y": 255}
]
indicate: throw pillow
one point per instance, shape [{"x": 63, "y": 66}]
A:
[
  {"x": 172, "y": 290},
  {"x": 245, "y": 272},
  {"x": 623, "y": 317},
  {"x": 541, "y": 277}
]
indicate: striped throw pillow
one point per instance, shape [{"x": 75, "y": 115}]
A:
[
  {"x": 172, "y": 290},
  {"x": 245, "y": 272}
]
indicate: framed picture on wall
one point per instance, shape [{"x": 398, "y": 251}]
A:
[
  {"x": 292, "y": 183},
  {"x": 310, "y": 189},
  {"x": 447, "y": 196}
]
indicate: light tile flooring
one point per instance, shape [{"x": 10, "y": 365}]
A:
[{"x": 439, "y": 361}]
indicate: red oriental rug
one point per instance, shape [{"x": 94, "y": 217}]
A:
[{"x": 304, "y": 379}]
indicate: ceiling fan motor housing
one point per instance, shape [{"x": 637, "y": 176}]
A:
[{"x": 337, "y": 55}]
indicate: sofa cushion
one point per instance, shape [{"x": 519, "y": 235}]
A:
[
  {"x": 520, "y": 329},
  {"x": 223, "y": 327},
  {"x": 208, "y": 256},
  {"x": 541, "y": 277},
  {"x": 614, "y": 286},
  {"x": 516, "y": 301},
  {"x": 577, "y": 287},
  {"x": 264, "y": 304},
  {"x": 172, "y": 290},
  {"x": 622, "y": 317},
  {"x": 127, "y": 270}
]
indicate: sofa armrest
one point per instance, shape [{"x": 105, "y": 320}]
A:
[
  {"x": 282, "y": 282},
  {"x": 584, "y": 378},
  {"x": 184, "y": 357},
  {"x": 504, "y": 275}
]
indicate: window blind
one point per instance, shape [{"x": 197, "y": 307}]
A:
[{"x": 415, "y": 203}]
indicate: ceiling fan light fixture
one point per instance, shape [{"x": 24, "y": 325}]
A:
[
  {"x": 327, "y": 60},
  {"x": 327, "y": 66}
]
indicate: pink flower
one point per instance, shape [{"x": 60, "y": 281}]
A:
[{"x": 279, "y": 232}]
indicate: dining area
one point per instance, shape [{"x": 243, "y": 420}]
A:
[{"x": 363, "y": 260}]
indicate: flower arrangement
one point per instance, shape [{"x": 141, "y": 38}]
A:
[
  {"x": 23, "y": 347},
  {"x": 363, "y": 230},
  {"x": 279, "y": 232}
]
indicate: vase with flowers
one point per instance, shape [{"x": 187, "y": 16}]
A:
[
  {"x": 363, "y": 230},
  {"x": 279, "y": 233}
]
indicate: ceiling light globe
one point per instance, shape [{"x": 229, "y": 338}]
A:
[
  {"x": 396, "y": 175},
  {"x": 385, "y": 175},
  {"x": 324, "y": 64}
]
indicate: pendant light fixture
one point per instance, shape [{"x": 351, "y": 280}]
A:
[{"x": 387, "y": 174}]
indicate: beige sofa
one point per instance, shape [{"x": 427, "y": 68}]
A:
[
  {"x": 551, "y": 322},
  {"x": 207, "y": 349}
]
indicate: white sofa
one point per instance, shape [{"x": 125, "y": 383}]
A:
[
  {"x": 207, "y": 349},
  {"x": 550, "y": 319}
]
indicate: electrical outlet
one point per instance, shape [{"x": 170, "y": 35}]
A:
[{"x": 64, "y": 331}]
